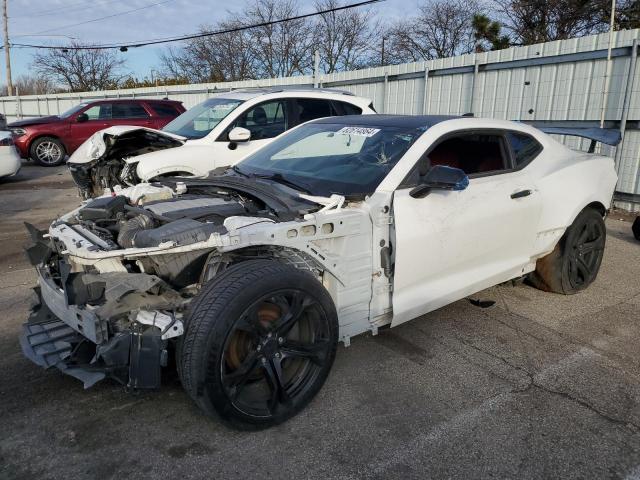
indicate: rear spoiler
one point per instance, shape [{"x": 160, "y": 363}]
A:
[{"x": 609, "y": 136}]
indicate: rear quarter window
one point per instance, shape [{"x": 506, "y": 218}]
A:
[
  {"x": 345, "y": 108},
  {"x": 165, "y": 109},
  {"x": 525, "y": 148}
]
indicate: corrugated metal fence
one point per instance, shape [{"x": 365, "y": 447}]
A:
[{"x": 563, "y": 83}]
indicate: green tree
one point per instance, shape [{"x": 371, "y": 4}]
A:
[{"x": 487, "y": 34}]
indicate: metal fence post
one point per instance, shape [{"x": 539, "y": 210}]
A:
[
  {"x": 385, "y": 93},
  {"x": 18, "y": 102},
  {"x": 316, "y": 69},
  {"x": 473, "y": 81},
  {"x": 628, "y": 89},
  {"x": 425, "y": 95}
]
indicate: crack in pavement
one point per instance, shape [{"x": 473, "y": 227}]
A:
[
  {"x": 564, "y": 336},
  {"x": 534, "y": 383}
]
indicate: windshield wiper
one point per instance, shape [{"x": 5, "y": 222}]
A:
[{"x": 277, "y": 177}]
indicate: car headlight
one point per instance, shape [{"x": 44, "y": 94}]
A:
[
  {"x": 97, "y": 146},
  {"x": 18, "y": 132}
]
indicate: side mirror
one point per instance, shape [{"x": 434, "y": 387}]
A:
[
  {"x": 239, "y": 135},
  {"x": 83, "y": 117},
  {"x": 441, "y": 177}
]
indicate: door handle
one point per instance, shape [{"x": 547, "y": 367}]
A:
[{"x": 521, "y": 193}]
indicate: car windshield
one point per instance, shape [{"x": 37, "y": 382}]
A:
[
  {"x": 198, "y": 121},
  {"x": 73, "y": 110},
  {"x": 327, "y": 158}
]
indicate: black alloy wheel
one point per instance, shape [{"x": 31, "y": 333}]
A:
[
  {"x": 585, "y": 254},
  {"x": 575, "y": 261},
  {"x": 275, "y": 352},
  {"x": 259, "y": 343}
]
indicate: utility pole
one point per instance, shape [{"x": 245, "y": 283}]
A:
[{"x": 7, "y": 53}]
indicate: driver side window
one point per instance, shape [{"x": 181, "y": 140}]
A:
[
  {"x": 475, "y": 153},
  {"x": 99, "y": 112},
  {"x": 266, "y": 120}
]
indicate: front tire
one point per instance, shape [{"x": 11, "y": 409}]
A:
[
  {"x": 260, "y": 341},
  {"x": 575, "y": 261},
  {"x": 47, "y": 151}
]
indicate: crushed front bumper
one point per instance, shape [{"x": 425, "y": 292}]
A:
[{"x": 85, "y": 324}]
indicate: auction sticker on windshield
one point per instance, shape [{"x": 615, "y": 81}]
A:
[{"x": 360, "y": 131}]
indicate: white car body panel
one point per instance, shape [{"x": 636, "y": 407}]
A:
[
  {"x": 446, "y": 246},
  {"x": 10, "y": 162}
]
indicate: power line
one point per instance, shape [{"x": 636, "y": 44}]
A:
[
  {"x": 103, "y": 18},
  {"x": 144, "y": 43}
]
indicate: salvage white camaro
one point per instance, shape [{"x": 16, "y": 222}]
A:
[{"x": 341, "y": 226}]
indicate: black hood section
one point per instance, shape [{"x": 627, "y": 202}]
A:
[
  {"x": 283, "y": 201},
  {"x": 35, "y": 121}
]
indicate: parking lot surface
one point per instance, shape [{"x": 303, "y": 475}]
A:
[{"x": 535, "y": 386}]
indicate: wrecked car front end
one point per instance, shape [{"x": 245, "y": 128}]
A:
[
  {"x": 116, "y": 275},
  {"x": 109, "y": 157}
]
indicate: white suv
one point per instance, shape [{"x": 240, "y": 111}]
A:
[{"x": 218, "y": 132}]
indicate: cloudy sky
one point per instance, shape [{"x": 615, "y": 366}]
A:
[{"x": 49, "y": 21}]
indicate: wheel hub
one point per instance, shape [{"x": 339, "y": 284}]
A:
[{"x": 269, "y": 346}]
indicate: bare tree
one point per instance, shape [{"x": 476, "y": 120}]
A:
[
  {"x": 223, "y": 57},
  {"x": 628, "y": 15},
  {"x": 34, "y": 85},
  {"x": 80, "y": 69},
  {"x": 345, "y": 39},
  {"x": 536, "y": 21},
  {"x": 441, "y": 29},
  {"x": 281, "y": 49}
]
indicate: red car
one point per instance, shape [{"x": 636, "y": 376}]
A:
[{"x": 48, "y": 140}]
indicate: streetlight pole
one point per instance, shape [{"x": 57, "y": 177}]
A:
[
  {"x": 382, "y": 52},
  {"x": 7, "y": 53}
]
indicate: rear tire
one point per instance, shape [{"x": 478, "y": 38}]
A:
[
  {"x": 260, "y": 341},
  {"x": 47, "y": 151},
  {"x": 575, "y": 261}
]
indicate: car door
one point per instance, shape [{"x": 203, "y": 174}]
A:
[
  {"x": 265, "y": 121},
  {"x": 87, "y": 122},
  {"x": 451, "y": 244}
]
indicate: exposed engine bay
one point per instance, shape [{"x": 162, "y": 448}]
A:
[
  {"x": 112, "y": 159},
  {"x": 118, "y": 312}
]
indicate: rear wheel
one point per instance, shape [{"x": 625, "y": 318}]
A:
[
  {"x": 574, "y": 264},
  {"x": 260, "y": 341},
  {"x": 47, "y": 151}
]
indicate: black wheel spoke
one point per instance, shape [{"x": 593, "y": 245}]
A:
[
  {"x": 237, "y": 379},
  {"x": 594, "y": 245},
  {"x": 250, "y": 322},
  {"x": 291, "y": 309},
  {"x": 583, "y": 268},
  {"x": 316, "y": 352},
  {"x": 276, "y": 381},
  {"x": 584, "y": 235}
]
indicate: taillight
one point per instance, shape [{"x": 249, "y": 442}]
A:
[{"x": 6, "y": 142}]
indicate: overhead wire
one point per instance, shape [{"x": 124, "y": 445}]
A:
[{"x": 143, "y": 43}]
